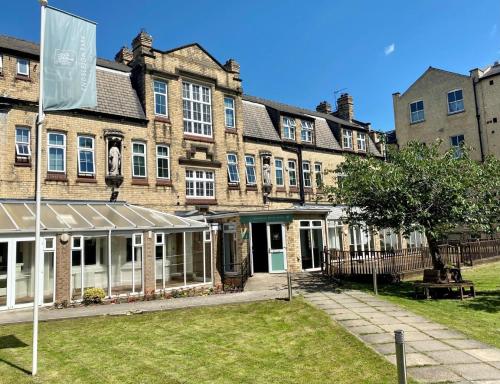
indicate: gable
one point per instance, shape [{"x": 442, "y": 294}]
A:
[
  {"x": 432, "y": 75},
  {"x": 197, "y": 54}
]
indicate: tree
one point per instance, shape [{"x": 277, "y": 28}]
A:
[{"x": 420, "y": 188}]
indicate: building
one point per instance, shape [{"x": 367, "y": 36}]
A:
[
  {"x": 455, "y": 108},
  {"x": 176, "y": 179}
]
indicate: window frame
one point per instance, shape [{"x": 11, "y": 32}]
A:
[
  {"x": 294, "y": 170},
  {"x": 417, "y": 111},
  {"x": 232, "y": 109},
  {"x": 18, "y": 72},
  {"x": 363, "y": 141},
  {"x": 458, "y": 146},
  {"x": 191, "y": 101},
  {"x": 144, "y": 155},
  {"x": 80, "y": 149},
  {"x": 203, "y": 180},
  {"x": 155, "y": 93},
  {"x": 308, "y": 130},
  {"x": 347, "y": 138},
  {"x": 304, "y": 172},
  {"x": 1, "y": 63},
  {"x": 162, "y": 157},
  {"x": 252, "y": 166},
  {"x": 56, "y": 146},
  {"x": 232, "y": 163},
  {"x": 289, "y": 128},
  {"x": 280, "y": 169},
  {"x": 318, "y": 172},
  {"x": 18, "y": 143},
  {"x": 456, "y": 102}
]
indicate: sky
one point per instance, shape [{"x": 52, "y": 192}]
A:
[{"x": 300, "y": 52}]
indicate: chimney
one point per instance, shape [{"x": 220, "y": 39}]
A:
[
  {"x": 232, "y": 66},
  {"x": 324, "y": 107},
  {"x": 124, "y": 56},
  {"x": 345, "y": 107},
  {"x": 142, "y": 44}
]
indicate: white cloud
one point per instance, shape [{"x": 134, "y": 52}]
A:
[
  {"x": 389, "y": 49},
  {"x": 493, "y": 30}
]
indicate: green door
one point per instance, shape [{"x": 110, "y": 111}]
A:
[{"x": 277, "y": 249}]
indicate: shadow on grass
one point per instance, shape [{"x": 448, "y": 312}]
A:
[
  {"x": 486, "y": 301},
  {"x": 11, "y": 341}
]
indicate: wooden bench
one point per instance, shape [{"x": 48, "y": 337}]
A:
[{"x": 427, "y": 287}]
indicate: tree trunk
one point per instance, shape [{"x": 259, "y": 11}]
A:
[{"x": 437, "y": 261}]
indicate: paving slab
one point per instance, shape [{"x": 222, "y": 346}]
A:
[
  {"x": 425, "y": 326},
  {"x": 486, "y": 354},
  {"x": 378, "y": 338},
  {"x": 417, "y": 336},
  {"x": 496, "y": 364},
  {"x": 452, "y": 357},
  {"x": 476, "y": 371},
  {"x": 466, "y": 344},
  {"x": 390, "y": 348},
  {"x": 345, "y": 316},
  {"x": 396, "y": 326},
  {"x": 434, "y": 374},
  {"x": 414, "y": 359},
  {"x": 354, "y": 323},
  {"x": 430, "y": 345},
  {"x": 365, "y": 309},
  {"x": 444, "y": 334},
  {"x": 366, "y": 329}
]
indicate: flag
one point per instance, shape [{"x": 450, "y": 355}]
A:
[{"x": 69, "y": 61}]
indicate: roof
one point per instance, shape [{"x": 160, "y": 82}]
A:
[
  {"x": 115, "y": 94},
  {"x": 257, "y": 123},
  {"x": 18, "y": 216},
  {"x": 490, "y": 70}
]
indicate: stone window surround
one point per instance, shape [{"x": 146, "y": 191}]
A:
[{"x": 155, "y": 93}]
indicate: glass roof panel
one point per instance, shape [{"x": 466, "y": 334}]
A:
[
  {"x": 93, "y": 217},
  {"x": 138, "y": 219},
  {"x": 49, "y": 218},
  {"x": 70, "y": 217},
  {"x": 112, "y": 216},
  {"x": 6, "y": 224},
  {"x": 159, "y": 219},
  {"x": 21, "y": 215}
]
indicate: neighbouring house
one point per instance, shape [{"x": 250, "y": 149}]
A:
[{"x": 455, "y": 108}]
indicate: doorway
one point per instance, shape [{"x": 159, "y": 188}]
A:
[
  {"x": 277, "y": 247},
  {"x": 311, "y": 243},
  {"x": 259, "y": 247}
]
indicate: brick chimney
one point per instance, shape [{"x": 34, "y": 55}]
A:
[
  {"x": 232, "y": 66},
  {"x": 324, "y": 107},
  {"x": 142, "y": 44},
  {"x": 345, "y": 107},
  {"x": 124, "y": 56}
]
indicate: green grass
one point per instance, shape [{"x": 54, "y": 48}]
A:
[
  {"x": 478, "y": 318},
  {"x": 267, "y": 342}
]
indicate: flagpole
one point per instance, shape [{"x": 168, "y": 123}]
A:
[{"x": 38, "y": 192}]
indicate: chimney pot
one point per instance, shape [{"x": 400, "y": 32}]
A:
[
  {"x": 124, "y": 56},
  {"x": 232, "y": 66},
  {"x": 142, "y": 43},
  {"x": 324, "y": 107}
]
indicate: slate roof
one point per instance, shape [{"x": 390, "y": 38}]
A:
[
  {"x": 490, "y": 70},
  {"x": 115, "y": 94},
  {"x": 257, "y": 123}
]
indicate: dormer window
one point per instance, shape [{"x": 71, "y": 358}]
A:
[
  {"x": 361, "y": 141},
  {"x": 289, "y": 128},
  {"x": 306, "y": 133},
  {"x": 347, "y": 139}
]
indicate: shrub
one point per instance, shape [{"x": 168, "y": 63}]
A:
[{"x": 93, "y": 295}]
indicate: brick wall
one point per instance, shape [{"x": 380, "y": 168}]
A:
[{"x": 63, "y": 270}]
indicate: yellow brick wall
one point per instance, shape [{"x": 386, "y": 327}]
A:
[{"x": 489, "y": 108}]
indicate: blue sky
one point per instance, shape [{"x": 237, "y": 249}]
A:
[{"x": 301, "y": 52}]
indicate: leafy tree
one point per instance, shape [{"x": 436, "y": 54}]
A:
[{"x": 420, "y": 188}]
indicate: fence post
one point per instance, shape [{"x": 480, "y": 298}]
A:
[
  {"x": 399, "y": 338},
  {"x": 375, "y": 288},
  {"x": 289, "y": 281}
]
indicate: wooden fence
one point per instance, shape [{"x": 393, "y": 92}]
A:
[{"x": 362, "y": 263}]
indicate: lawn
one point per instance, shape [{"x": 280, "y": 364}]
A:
[
  {"x": 267, "y": 342},
  {"x": 479, "y": 318}
]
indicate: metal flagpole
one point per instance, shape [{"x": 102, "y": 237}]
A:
[{"x": 38, "y": 193}]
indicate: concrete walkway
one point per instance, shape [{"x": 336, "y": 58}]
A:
[{"x": 434, "y": 353}]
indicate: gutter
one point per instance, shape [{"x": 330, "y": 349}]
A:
[{"x": 478, "y": 118}]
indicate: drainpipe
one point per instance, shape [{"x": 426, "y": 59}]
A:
[
  {"x": 478, "y": 117},
  {"x": 301, "y": 175}
]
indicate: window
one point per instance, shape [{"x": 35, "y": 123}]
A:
[
  {"x": 417, "y": 240},
  {"x": 457, "y": 143},
  {"x": 162, "y": 162},
  {"x": 250, "y": 170},
  {"x": 229, "y": 247},
  {"x": 306, "y": 173},
  {"x": 417, "y": 111},
  {"x": 361, "y": 240},
  {"x": 23, "y": 142},
  {"x": 361, "y": 141},
  {"x": 306, "y": 133},
  {"x": 347, "y": 138},
  {"x": 1, "y": 63},
  {"x": 23, "y": 67},
  {"x": 200, "y": 183},
  {"x": 138, "y": 159},
  {"x": 197, "y": 110},
  {"x": 232, "y": 168},
  {"x": 85, "y": 155},
  {"x": 318, "y": 173},
  {"x": 389, "y": 240},
  {"x": 229, "y": 112},
  {"x": 455, "y": 101},
  {"x": 57, "y": 152},
  {"x": 335, "y": 239},
  {"x": 289, "y": 128},
  {"x": 278, "y": 171},
  {"x": 160, "y": 92},
  {"x": 292, "y": 173}
]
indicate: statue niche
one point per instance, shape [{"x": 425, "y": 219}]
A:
[{"x": 114, "y": 145}]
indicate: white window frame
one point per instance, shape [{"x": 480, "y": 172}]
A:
[
  {"x": 289, "y": 128},
  {"x": 457, "y": 147},
  {"x": 391, "y": 238},
  {"x": 290, "y": 171},
  {"x": 155, "y": 93},
  {"x": 23, "y": 143},
  {"x": 456, "y": 102},
  {"x": 56, "y": 146},
  {"x": 1, "y": 63},
  {"x": 232, "y": 161},
  {"x": 137, "y": 154},
  {"x": 318, "y": 172},
  {"x": 306, "y": 164},
  {"x": 92, "y": 151},
  {"x": 204, "y": 105},
  {"x": 306, "y": 132},
  {"x": 280, "y": 169},
  {"x": 162, "y": 157},
  {"x": 417, "y": 112},
  {"x": 203, "y": 179},
  {"x": 18, "y": 66},
  {"x": 251, "y": 165},
  {"x": 361, "y": 138},
  {"x": 227, "y": 109},
  {"x": 347, "y": 138}
]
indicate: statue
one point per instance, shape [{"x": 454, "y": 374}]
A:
[
  {"x": 114, "y": 160},
  {"x": 266, "y": 174}
]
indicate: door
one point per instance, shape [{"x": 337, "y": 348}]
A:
[
  {"x": 4, "y": 257},
  {"x": 260, "y": 254},
  {"x": 277, "y": 248}
]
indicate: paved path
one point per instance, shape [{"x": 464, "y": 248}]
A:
[{"x": 434, "y": 353}]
